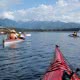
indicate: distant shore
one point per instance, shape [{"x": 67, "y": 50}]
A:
[
  {"x": 46, "y": 30},
  {"x": 37, "y": 30}
]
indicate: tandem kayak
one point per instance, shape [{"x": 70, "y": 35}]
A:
[
  {"x": 58, "y": 67},
  {"x": 7, "y": 43}
]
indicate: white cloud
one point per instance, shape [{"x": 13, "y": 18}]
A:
[
  {"x": 61, "y": 3},
  {"x": 63, "y": 10},
  {"x": 41, "y": 13},
  {"x": 8, "y": 15},
  {"x": 6, "y": 4}
]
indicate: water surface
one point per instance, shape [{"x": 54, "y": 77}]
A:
[{"x": 30, "y": 59}]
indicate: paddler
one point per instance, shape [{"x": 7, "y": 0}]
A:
[
  {"x": 75, "y": 34},
  {"x": 12, "y": 35},
  {"x": 21, "y": 36}
]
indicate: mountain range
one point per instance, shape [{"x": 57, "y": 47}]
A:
[{"x": 38, "y": 24}]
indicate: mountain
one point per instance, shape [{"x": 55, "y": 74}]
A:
[{"x": 38, "y": 24}]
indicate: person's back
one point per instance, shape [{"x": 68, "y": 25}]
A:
[{"x": 12, "y": 36}]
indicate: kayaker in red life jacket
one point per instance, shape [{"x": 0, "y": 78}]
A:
[{"x": 67, "y": 76}]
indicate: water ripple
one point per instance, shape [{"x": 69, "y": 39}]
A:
[{"x": 30, "y": 59}]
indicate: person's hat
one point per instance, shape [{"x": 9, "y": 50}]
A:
[{"x": 13, "y": 31}]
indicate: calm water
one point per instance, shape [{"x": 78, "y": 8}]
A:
[{"x": 30, "y": 59}]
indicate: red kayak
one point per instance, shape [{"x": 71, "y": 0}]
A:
[{"x": 58, "y": 67}]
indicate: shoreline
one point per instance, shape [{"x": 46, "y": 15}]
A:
[{"x": 6, "y": 30}]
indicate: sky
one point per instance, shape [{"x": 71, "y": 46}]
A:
[{"x": 40, "y": 10}]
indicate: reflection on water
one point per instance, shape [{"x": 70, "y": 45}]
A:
[
  {"x": 30, "y": 59},
  {"x": 13, "y": 46}
]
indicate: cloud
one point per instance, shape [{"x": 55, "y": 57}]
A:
[
  {"x": 63, "y": 10},
  {"x": 8, "y": 15},
  {"x": 61, "y": 3},
  {"x": 40, "y": 13},
  {"x": 6, "y": 4}
]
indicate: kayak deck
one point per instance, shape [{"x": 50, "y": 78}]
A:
[{"x": 56, "y": 69}]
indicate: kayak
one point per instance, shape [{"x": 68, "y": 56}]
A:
[
  {"x": 57, "y": 68},
  {"x": 71, "y": 35},
  {"x": 11, "y": 42}
]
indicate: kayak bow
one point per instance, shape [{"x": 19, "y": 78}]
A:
[{"x": 56, "y": 69}]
